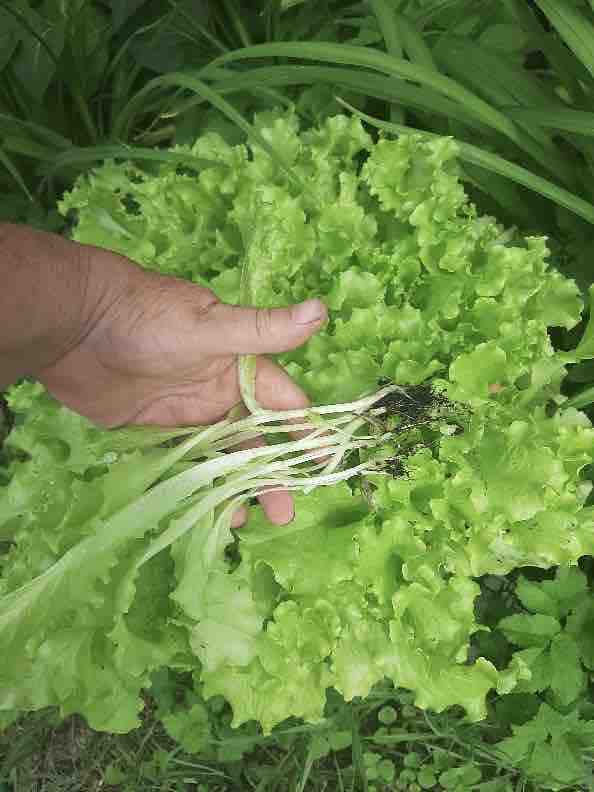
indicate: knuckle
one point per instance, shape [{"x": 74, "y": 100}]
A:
[
  {"x": 206, "y": 304},
  {"x": 263, "y": 322}
]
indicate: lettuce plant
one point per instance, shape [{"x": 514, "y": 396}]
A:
[{"x": 374, "y": 578}]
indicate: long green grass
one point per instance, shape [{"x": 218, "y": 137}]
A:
[
  {"x": 383, "y": 744},
  {"x": 425, "y": 67}
]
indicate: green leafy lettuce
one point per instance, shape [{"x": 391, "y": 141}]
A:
[{"x": 369, "y": 581}]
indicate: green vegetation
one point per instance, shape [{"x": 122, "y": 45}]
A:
[{"x": 466, "y": 576}]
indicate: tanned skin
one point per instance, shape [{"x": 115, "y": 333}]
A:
[{"x": 121, "y": 345}]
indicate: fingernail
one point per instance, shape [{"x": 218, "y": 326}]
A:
[{"x": 309, "y": 311}]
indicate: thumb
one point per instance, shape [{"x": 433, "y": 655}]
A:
[{"x": 245, "y": 331}]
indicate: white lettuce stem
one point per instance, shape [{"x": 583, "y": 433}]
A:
[
  {"x": 245, "y": 429},
  {"x": 235, "y": 492},
  {"x": 247, "y": 436},
  {"x": 292, "y": 465},
  {"x": 284, "y": 466},
  {"x": 338, "y": 455},
  {"x": 242, "y": 475}
]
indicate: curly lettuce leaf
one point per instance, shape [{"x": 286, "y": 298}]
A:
[{"x": 420, "y": 289}]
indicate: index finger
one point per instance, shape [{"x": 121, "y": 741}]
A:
[{"x": 275, "y": 390}]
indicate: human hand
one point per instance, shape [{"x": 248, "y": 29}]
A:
[{"x": 163, "y": 351}]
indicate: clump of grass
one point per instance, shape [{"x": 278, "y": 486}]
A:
[{"x": 381, "y": 744}]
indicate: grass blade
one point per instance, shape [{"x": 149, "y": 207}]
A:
[
  {"x": 14, "y": 172},
  {"x": 386, "y": 21},
  {"x": 428, "y": 11},
  {"x": 351, "y": 55},
  {"x": 123, "y": 50},
  {"x": 562, "y": 62},
  {"x": 272, "y": 14},
  {"x": 496, "y": 164},
  {"x": 237, "y": 22},
  {"x": 513, "y": 203},
  {"x": 191, "y": 83},
  {"x": 492, "y": 75},
  {"x": 357, "y": 752},
  {"x": 581, "y": 400},
  {"x": 574, "y": 28},
  {"x": 365, "y": 83},
  {"x": 414, "y": 44},
  {"x": 195, "y": 25},
  {"x": 27, "y": 147},
  {"x": 505, "y": 85},
  {"x": 92, "y": 154},
  {"x": 49, "y": 136},
  {"x": 30, "y": 30},
  {"x": 566, "y": 120},
  {"x": 379, "y": 61}
]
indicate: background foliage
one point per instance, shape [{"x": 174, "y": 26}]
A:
[{"x": 513, "y": 81}]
